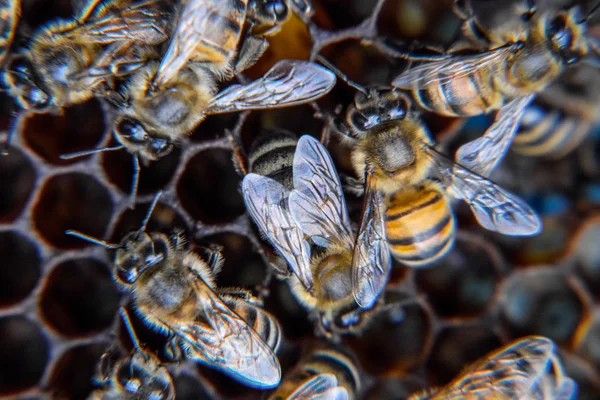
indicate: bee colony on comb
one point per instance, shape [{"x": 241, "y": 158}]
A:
[{"x": 298, "y": 199}]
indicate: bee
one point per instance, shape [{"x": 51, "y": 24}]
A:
[
  {"x": 325, "y": 373},
  {"x": 526, "y": 369},
  {"x": 10, "y": 12},
  {"x": 351, "y": 271},
  {"x": 68, "y": 61},
  {"x": 174, "y": 292},
  {"x": 561, "y": 116},
  {"x": 138, "y": 376},
  {"x": 393, "y": 151},
  {"x": 504, "y": 78}
]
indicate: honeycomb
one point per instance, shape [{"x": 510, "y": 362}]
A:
[{"x": 58, "y": 301}]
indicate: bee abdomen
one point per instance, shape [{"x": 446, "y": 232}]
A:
[
  {"x": 272, "y": 155},
  {"x": 420, "y": 225},
  {"x": 263, "y": 323}
]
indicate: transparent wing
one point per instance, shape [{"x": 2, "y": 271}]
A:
[
  {"x": 288, "y": 83},
  {"x": 317, "y": 201},
  {"x": 512, "y": 372},
  {"x": 444, "y": 71},
  {"x": 495, "y": 208},
  {"x": 10, "y": 11},
  {"x": 482, "y": 155},
  {"x": 371, "y": 261},
  {"x": 266, "y": 202},
  {"x": 221, "y": 338},
  {"x": 320, "y": 387}
]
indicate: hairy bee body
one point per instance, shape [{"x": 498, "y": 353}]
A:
[{"x": 272, "y": 155}]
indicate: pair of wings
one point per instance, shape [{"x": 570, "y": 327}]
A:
[
  {"x": 517, "y": 370},
  {"x": 316, "y": 208},
  {"x": 222, "y": 339},
  {"x": 481, "y": 155},
  {"x": 320, "y": 387}
]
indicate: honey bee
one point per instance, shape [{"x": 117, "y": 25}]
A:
[
  {"x": 561, "y": 116},
  {"x": 10, "y": 12},
  {"x": 325, "y": 373},
  {"x": 174, "y": 292},
  {"x": 351, "y": 271},
  {"x": 504, "y": 78},
  {"x": 526, "y": 369},
  {"x": 393, "y": 150},
  {"x": 138, "y": 376}
]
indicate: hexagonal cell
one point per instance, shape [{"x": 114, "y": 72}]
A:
[
  {"x": 189, "y": 388},
  {"x": 19, "y": 268},
  {"x": 208, "y": 189},
  {"x": 79, "y": 298},
  {"x": 394, "y": 388},
  {"x": 227, "y": 387},
  {"x": 464, "y": 281},
  {"x": 24, "y": 353},
  {"x": 585, "y": 252},
  {"x": 38, "y": 12},
  {"x": 214, "y": 127},
  {"x": 587, "y": 339},
  {"x": 118, "y": 166},
  {"x": 79, "y": 128},
  {"x": 397, "y": 337},
  {"x": 540, "y": 302},
  {"x": 71, "y": 201},
  {"x": 71, "y": 376},
  {"x": 457, "y": 347},
  {"x": 17, "y": 179}
]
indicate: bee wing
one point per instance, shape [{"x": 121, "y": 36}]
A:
[
  {"x": 288, "y": 83},
  {"x": 371, "y": 261},
  {"x": 483, "y": 154},
  {"x": 319, "y": 387},
  {"x": 446, "y": 70},
  {"x": 317, "y": 201},
  {"x": 565, "y": 391},
  {"x": 495, "y": 208},
  {"x": 224, "y": 340},
  {"x": 10, "y": 11},
  {"x": 266, "y": 202}
]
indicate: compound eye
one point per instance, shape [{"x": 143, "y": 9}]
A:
[
  {"x": 161, "y": 147},
  {"x": 132, "y": 130},
  {"x": 359, "y": 121},
  {"x": 38, "y": 98},
  {"x": 558, "y": 32},
  {"x": 279, "y": 9}
]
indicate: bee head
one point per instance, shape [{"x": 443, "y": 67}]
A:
[
  {"x": 376, "y": 107},
  {"x": 141, "y": 375},
  {"x": 566, "y": 32},
  {"x": 139, "y": 251},
  {"x": 22, "y": 82},
  {"x": 134, "y": 136}
]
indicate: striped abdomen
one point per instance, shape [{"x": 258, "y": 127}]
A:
[
  {"x": 419, "y": 224},
  {"x": 258, "y": 319},
  {"x": 272, "y": 155}
]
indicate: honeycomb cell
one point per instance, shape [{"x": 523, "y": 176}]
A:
[
  {"x": 208, "y": 189},
  {"x": 394, "y": 388},
  {"x": 189, "y": 388},
  {"x": 455, "y": 348},
  {"x": 79, "y": 297},
  {"x": 587, "y": 340},
  {"x": 227, "y": 387},
  {"x": 464, "y": 281},
  {"x": 24, "y": 353},
  {"x": 17, "y": 179},
  {"x": 71, "y": 375},
  {"x": 585, "y": 252},
  {"x": 71, "y": 201},
  {"x": 291, "y": 315},
  {"x": 540, "y": 302},
  {"x": 118, "y": 166},
  {"x": 79, "y": 128},
  {"x": 19, "y": 268},
  {"x": 214, "y": 127},
  {"x": 396, "y": 338}
]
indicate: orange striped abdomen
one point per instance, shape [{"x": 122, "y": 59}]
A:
[{"x": 419, "y": 224}]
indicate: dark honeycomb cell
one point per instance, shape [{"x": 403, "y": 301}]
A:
[
  {"x": 587, "y": 340},
  {"x": 118, "y": 166},
  {"x": 80, "y": 128},
  {"x": 397, "y": 337},
  {"x": 227, "y": 387},
  {"x": 39, "y": 12},
  {"x": 19, "y": 268},
  {"x": 540, "y": 302},
  {"x": 455, "y": 348},
  {"x": 394, "y": 388},
  {"x": 292, "y": 316},
  {"x": 464, "y": 281},
  {"x": 71, "y": 201},
  {"x": 17, "y": 179},
  {"x": 209, "y": 188},
  {"x": 189, "y": 388},
  {"x": 71, "y": 376},
  {"x": 24, "y": 354},
  {"x": 79, "y": 298},
  {"x": 214, "y": 127}
]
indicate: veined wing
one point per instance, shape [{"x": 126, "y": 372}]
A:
[
  {"x": 320, "y": 387},
  {"x": 482, "y": 155},
  {"x": 317, "y": 201},
  {"x": 444, "y": 71},
  {"x": 288, "y": 83},
  {"x": 266, "y": 202},
  {"x": 495, "y": 208},
  {"x": 371, "y": 262},
  {"x": 221, "y": 338}
]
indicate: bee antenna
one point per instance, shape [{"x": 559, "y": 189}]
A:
[
  {"x": 127, "y": 322},
  {"x": 88, "y": 152},
  {"x": 91, "y": 239},
  {"x": 150, "y": 210},
  {"x": 136, "y": 180},
  {"x": 341, "y": 75}
]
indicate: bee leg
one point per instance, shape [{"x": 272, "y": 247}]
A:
[
  {"x": 238, "y": 293},
  {"x": 213, "y": 256},
  {"x": 249, "y": 53}
]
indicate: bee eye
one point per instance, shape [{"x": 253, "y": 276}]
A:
[
  {"x": 558, "y": 32},
  {"x": 279, "y": 9},
  {"x": 359, "y": 120},
  {"x": 132, "y": 130},
  {"x": 161, "y": 147}
]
